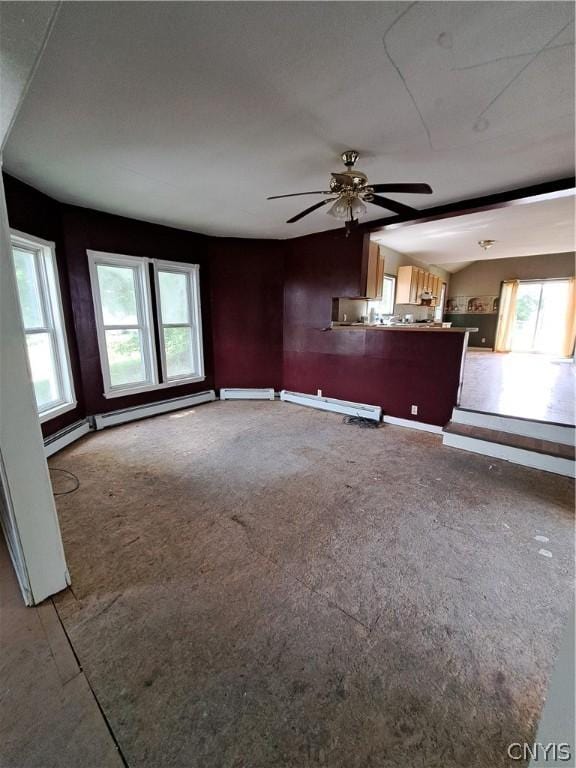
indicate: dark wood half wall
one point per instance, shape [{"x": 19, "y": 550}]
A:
[{"x": 393, "y": 369}]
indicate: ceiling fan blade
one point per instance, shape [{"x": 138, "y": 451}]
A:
[
  {"x": 309, "y": 210},
  {"x": 296, "y": 194},
  {"x": 392, "y": 205},
  {"x": 415, "y": 189}
]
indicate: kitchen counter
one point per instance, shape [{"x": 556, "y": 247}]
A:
[{"x": 401, "y": 327}]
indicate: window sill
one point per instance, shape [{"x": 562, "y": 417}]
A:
[
  {"x": 125, "y": 392},
  {"x": 57, "y": 411}
]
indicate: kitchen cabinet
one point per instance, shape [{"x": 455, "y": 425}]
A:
[
  {"x": 374, "y": 275},
  {"x": 412, "y": 282}
]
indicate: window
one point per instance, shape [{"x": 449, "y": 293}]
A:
[
  {"x": 179, "y": 321},
  {"x": 439, "y": 309},
  {"x": 388, "y": 295},
  {"x": 385, "y": 305},
  {"x": 121, "y": 289},
  {"x": 41, "y": 310}
]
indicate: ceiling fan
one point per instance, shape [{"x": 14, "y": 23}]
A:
[{"x": 349, "y": 190}]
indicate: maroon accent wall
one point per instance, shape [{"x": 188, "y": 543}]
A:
[
  {"x": 84, "y": 230},
  {"x": 247, "y": 283},
  {"x": 265, "y": 304},
  {"x": 34, "y": 213},
  {"x": 393, "y": 369},
  {"x": 241, "y": 281}
]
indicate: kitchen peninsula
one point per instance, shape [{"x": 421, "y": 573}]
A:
[
  {"x": 429, "y": 327},
  {"x": 395, "y": 367}
]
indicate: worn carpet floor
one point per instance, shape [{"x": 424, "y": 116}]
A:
[{"x": 258, "y": 585}]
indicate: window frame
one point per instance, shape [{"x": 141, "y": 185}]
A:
[
  {"x": 144, "y": 316},
  {"x": 191, "y": 271},
  {"x": 152, "y": 312},
  {"x": 439, "y": 308},
  {"x": 393, "y": 278},
  {"x": 50, "y": 297}
]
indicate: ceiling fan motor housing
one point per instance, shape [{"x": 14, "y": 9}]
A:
[{"x": 348, "y": 179}]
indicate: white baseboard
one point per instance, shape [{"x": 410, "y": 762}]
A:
[
  {"x": 363, "y": 410},
  {"x": 103, "y": 420},
  {"x": 64, "y": 437},
  {"x": 412, "y": 424},
  {"x": 228, "y": 393},
  {"x": 555, "y": 433},
  {"x": 555, "y": 464}
]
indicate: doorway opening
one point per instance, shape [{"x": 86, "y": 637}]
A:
[{"x": 540, "y": 317}]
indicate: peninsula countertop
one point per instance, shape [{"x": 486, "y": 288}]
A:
[{"x": 426, "y": 327}]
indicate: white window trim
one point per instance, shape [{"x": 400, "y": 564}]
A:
[
  {"x": 195, "y": 324},
  {"x": 144, "y": 312},
  {"x": 142, "y": 263},
  {"x": 394, "y": 282},
  {"x": 49, "y": 280}
]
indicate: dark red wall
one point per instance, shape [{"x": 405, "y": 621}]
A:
[
  {"x": 247, "y": 284},
  {"x": 265, "y": 304},
  {"x": 393, "y": 369},
  {"x": 84, "y": 230},
  {"x": 34, "y": 213},
  {"x": 241, "y": 281}
]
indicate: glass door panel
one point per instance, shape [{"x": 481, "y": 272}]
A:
[
  {"x": 526, "y": 317},
  {"x": 552, "y": 317}
]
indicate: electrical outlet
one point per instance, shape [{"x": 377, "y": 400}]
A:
[
  {"x": 319, "y": 393},
  {"x": 414, "y": 410},
  {"x": 483, "y": 340}
]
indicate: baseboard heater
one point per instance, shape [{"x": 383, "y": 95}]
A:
[
  {"x": 64, "y": 437},
  {"x": 103, "y": 420},
  {"x": 410, "y": 424},
  {"x": 331, "y": 404},
  {"x": 227, "y": 393}
]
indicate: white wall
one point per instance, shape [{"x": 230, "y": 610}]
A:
[
  {"x": 557, "y": 723},
  {"x": 27, "y": 509}
]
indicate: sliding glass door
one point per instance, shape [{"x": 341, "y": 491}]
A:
[{"x": 540, "y": 316}]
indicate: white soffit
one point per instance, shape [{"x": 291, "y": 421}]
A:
[
  {"x": 542, "y": 227},
  {"x": 191, "y": 114}
]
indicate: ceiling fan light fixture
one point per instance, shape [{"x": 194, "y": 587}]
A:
[
  {"x": 349, "y": 191},
  {"x": 357, "y": 208},
  {"x": 340, "y": 209}
]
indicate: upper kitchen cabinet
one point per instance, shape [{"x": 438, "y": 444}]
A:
[
  {"x": 373, "y": 273},
  {"x": 412, "y": 282}
]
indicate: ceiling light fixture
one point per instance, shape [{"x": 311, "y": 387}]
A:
[
  {"x": 350, "y": 190},
  {"x": 485, "y": 244}
]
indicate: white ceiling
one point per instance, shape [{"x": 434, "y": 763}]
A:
[
  {"x": 521, "y": 230},
  {"x": 191, "y": 114},
  {"x": 24, "y": 29}
]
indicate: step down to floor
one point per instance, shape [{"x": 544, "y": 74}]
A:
[
  {"x": 516, "y": 425},
  {"x": 530, "y": 451}
]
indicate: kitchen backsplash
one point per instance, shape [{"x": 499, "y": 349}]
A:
[{"x": 419, "y": 313}]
